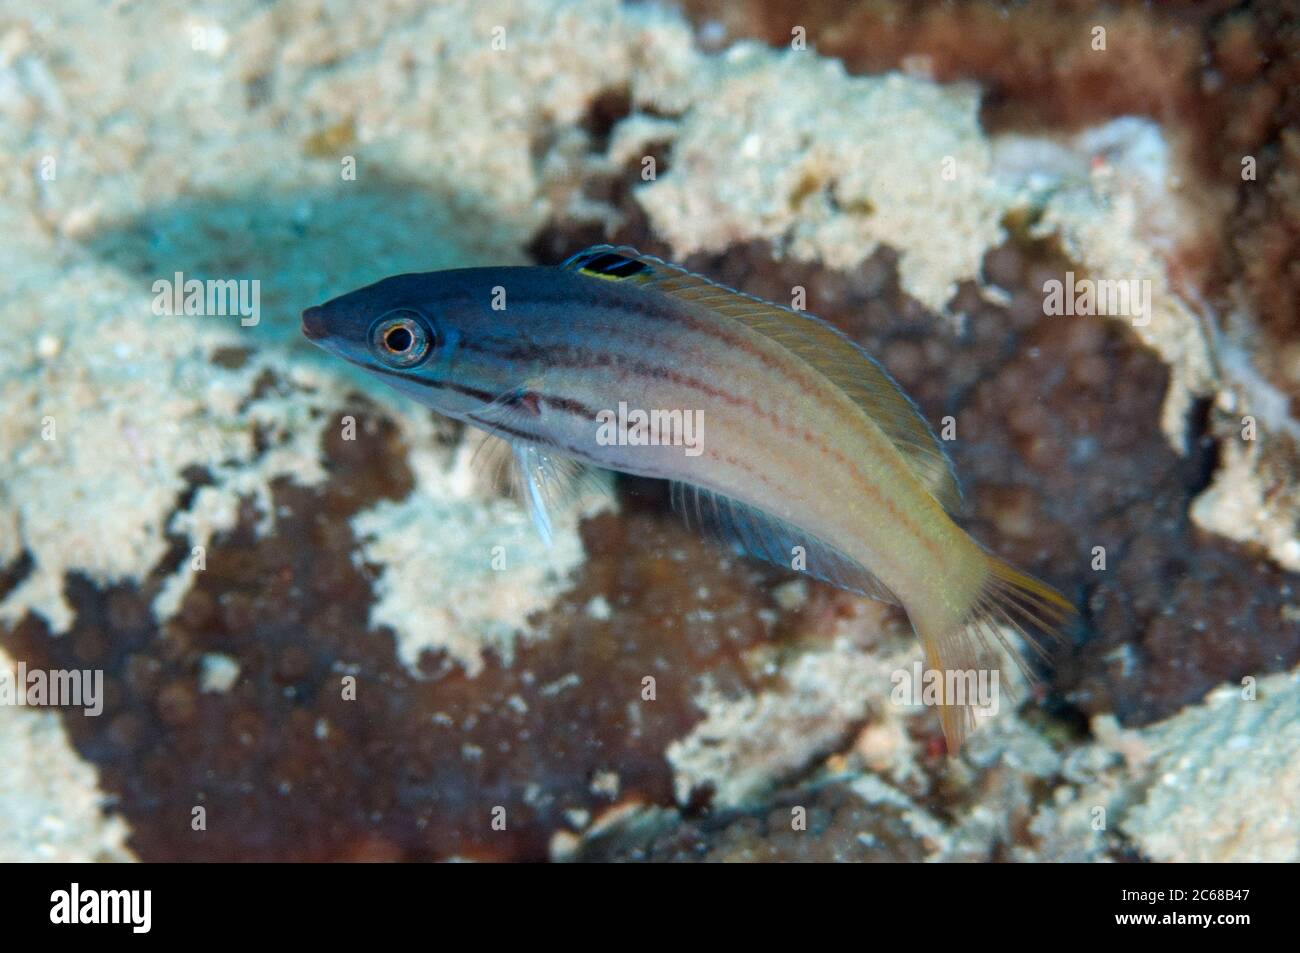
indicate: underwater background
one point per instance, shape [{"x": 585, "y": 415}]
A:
[{"x": 326, "y": 633}]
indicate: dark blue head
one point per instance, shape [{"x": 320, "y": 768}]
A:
[{"x": 430, "y": 335}]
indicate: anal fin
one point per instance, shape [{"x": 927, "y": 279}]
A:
[{"x": 761, "y": 535}]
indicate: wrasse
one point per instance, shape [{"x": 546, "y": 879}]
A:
[{"x": 801, "y": 447}]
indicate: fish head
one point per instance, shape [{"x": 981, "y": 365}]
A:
[{"x": 409, "y": 330}]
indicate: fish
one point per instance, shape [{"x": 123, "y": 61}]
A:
[{"x": 778, "y": 433}]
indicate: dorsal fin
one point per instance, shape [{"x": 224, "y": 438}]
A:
[{"x": 827, "y": 350}]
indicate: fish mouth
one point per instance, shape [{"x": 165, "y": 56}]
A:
[{"x": 313, "y": 323}]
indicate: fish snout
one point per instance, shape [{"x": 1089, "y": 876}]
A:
[{"x": 313, "y": 323}]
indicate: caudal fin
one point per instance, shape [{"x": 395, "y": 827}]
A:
[{"x": 1007, "y": 599}]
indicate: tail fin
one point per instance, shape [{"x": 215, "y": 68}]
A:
[{"x": 1007, "y": 599}]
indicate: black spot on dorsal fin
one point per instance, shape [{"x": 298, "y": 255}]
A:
[{"x": 606, "y": 263}]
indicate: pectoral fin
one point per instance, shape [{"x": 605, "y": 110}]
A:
[{"x": 548, "y": 481}]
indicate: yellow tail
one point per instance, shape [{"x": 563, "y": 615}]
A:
[{"x": 1007, "y": 599}]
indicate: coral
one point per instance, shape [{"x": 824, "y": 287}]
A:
[
  {"x": 461, "y": 571},
  {"x": 287, "y": 767},
  {"x": 834, "y": 197},
  {"x": 51, "y": 808},
  {"x": 1223, "y": 777}
]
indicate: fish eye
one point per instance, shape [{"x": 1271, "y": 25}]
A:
[{"x": 401, "y": 338}]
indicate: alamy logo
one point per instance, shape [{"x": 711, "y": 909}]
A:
[
  {"x": 978, "y": 688},
  {"x": 59, "y": 688},
  {"x": 1109, "y": 297},
  {"x": 651, "y": 428},
  {"x": 134, "y": 907},
  {"x": 215, "y": 297}
]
